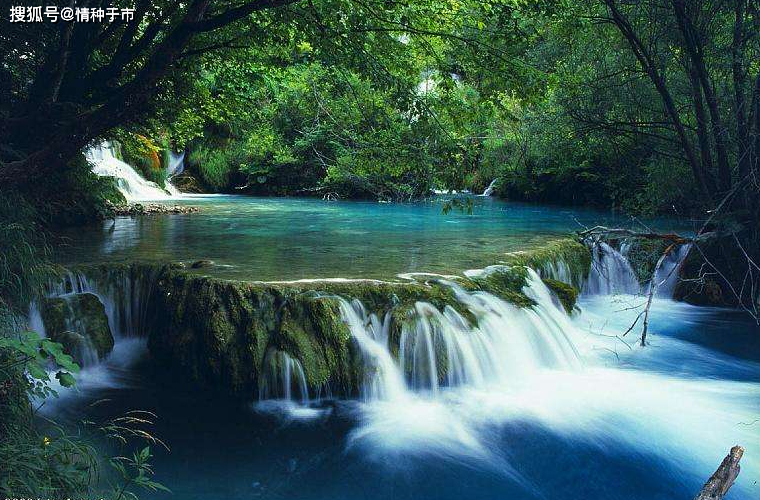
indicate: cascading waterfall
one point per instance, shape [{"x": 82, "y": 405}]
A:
[
  {"x": 666, "y": 277},
  {"x": 283, "y": 378},
  {"x": 132, "y": 185},
  {"x": 175, "y": 167},
  {"x": 610, "y": 273},
  {"x": 176, "y": 164},
  {"x": 383, "y": 378},
  {"x": 124, "y": 295},
  {"x": 490, "y": 189},
  {"x": 442, "y": 349}
]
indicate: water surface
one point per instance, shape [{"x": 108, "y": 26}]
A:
[{"x": 292, "y": 238}]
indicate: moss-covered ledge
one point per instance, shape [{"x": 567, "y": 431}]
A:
[
  {"x": 567, "y": 260},
  {"x": 218, "y": 331}
]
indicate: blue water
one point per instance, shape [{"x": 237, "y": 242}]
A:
[
  {"x": 291, "y": 238},
  {"x": 651, "y": 424},
  {"x": 631, "y": 423}
]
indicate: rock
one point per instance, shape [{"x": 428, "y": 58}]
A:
[
  {"x": 79, "y": 322},
  {"x": 217, "y": 332},
  {"x": 567, "y": 294},
  {"x": 187, "y": 183},
  {"x": 568, "y": 254},
  {"x": 133, "y": 209}
]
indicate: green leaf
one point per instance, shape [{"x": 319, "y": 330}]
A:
[{"x": 66, "y": 379}]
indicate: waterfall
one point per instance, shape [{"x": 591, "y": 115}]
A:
[
  {"x": 176, "y": 164},
  {"x": 383, "y": 378},
  {"x": 125, "y": 296},
  {"x": 282, "y": 374},
  {"x": 610, "y": 273},
  {"x": 439, "y": 349},
  {"x": 489, "y": 190},
  {"x": 104, "y": 162},
  {"x": 175, "y": 167},
  {"x": 666, "y": 277}
]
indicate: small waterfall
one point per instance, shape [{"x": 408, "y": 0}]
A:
[
  {"x": 666, "y": 277},
  {"x": 489, "y": 190},
  {"x": 124, "y": 294},
  {"x": 439, "y": 349},
  {"x": 610, "y": 273},
  {"x": 35, "y": 322},
  {"x": 104, "y": 162},
  {"x": 175, "y": 167},
  {"x": 383, "y": 378},
  {"x": 283, "y": 378},
  {"x": 176, "y": 164}
]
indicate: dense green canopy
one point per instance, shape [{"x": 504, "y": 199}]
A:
[{"x": 645, "y": 106}]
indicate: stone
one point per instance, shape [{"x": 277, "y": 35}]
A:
[{"x": 79, "y": 322}]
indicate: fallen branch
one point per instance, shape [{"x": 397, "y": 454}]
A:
[
  {"x": 621, "y": 232},
  {"x": 721, "y": 481}
]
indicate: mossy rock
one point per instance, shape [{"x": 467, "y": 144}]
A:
[
  {"x": 547, "y": 259},
  {"x": 218, "y": 331},
  {"x": 643, "y": 255},
  {"x": 567, "y": 294},
  {"x": 76, "y": 319}
]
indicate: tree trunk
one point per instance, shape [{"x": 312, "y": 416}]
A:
[
  {"x": 644, "y": 58},
  {"x": 702, "y": 136},
  {"x": 739, "y": 80},
  {"x": 693, "y": 46}
]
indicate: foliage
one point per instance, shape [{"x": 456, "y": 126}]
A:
[
  {"x": 142, "y": 153},
  {"x": 23, "y": 253},
  {"x": 35, "y": 354},
  {"x": 50, "y": 463},
  {"x": 40, "y": 458}
]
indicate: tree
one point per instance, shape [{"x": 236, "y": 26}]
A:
[{"x": 71, "y": 82}]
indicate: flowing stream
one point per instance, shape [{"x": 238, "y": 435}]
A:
[
  {"x": 104, "y": 161},
  {"x": 535, "y": 403}
]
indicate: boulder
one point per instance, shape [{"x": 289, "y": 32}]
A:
[{"x": 78, "y": 321}]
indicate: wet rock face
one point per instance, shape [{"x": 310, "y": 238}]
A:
[{"x": 79, "y": 322}]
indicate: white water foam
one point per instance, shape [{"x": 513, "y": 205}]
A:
[
  {"x": 132, "y": 185},
  {"x": 490, "y": 189}
]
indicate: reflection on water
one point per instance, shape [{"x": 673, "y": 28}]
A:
[{"x": 287, "y": 238}]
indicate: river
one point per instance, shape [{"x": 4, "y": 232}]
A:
[{"x": 547, "y": 406}]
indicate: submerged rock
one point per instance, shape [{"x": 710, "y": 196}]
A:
[
  {"x": 198, "y": 264},
  {"x": 79, "y": 322}
]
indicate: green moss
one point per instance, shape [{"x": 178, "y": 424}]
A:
[
  {"x": 219, "y": 331},
  {"x": 567, "y": 294},
  {"x": 643, "y": 255},
  {"x": 78, "y": 318},
  {"x": 506, "y": 283},
  {"x": 569, "y": 252}
]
